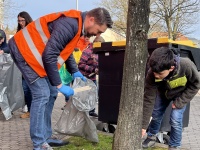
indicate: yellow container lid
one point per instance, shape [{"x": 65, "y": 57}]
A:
[
  {"x": 159, "y": 41},
  {"x": 185, "y": 42}
]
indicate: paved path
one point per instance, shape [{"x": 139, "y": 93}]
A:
[
  {"x": 191, "y": 134},
  {"x": 14, "y": 133}
]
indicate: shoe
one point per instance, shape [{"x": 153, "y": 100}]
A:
[
  {"x": 25, "y": 109},
  {"x": 173, "y": 148},
  {"x": 93, "y": 114},
  {"x": 46, "y": 146},
  {"x": 56, "y": 142},
  {"x": 149, "y": 142},
  {"x": 25, "y": 115}
]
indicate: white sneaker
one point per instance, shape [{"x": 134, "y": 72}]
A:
[
  {"x": 25, "y": 109},
  {"x": 45, "y": 146}
]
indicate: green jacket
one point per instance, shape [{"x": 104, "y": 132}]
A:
[{"x": 181, "y": 86}]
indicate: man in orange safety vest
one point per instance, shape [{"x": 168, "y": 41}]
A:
[{"x": 39, "y": 50}]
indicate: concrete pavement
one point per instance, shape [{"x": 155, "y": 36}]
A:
[
  {"x": 14, "y": 133},
  {"x": 191, "y": 134}
]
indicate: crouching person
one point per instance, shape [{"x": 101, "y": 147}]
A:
[{"x": 170, "y": 78}]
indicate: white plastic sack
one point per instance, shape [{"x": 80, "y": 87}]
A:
[
  {"x": 11, "y": 92},
  {"x": 75, "y": 118},
  {"x": 86, "y": 100}
]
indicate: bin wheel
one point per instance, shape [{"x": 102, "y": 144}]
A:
[
  {"x": 111, "y": 128},
  {"x": 168, "y": 133},
  {"x": 165, "y": 139}
]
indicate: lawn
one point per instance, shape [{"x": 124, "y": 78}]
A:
[{"x": 105, "y": 143}]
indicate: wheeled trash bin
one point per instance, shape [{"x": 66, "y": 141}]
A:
[{"x": 111, "y": 59}]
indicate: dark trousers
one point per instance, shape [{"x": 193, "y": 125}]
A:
[{"x": 27, "y": 94}]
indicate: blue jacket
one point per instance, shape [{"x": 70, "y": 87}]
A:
[
  {"x": 4, "y": 45},
  {"x": 62, "y": 32}
]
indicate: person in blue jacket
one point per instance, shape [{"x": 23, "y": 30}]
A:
[{"x": 3, "y": 43}]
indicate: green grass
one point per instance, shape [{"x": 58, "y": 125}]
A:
[
  {"x": 105, "y": 143},
  {"x": 77, "y": 143}
]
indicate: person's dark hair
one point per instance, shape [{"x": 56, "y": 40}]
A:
[
  {"x": 27, "y": 18},
  {"x": 2, "y": 34},
  {"x": 161, "y": 59},
  {"x": 102, "y": 16}
]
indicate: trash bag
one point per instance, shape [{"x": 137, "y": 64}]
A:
[
  {"x": 11, "y": 92},
  {"x": 75, "y": 119},
  {"x": 65, "y": 76},
  {"x": 86, "y": 100}
]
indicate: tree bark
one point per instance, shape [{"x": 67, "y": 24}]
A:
[{"x": 128, "y": 132}]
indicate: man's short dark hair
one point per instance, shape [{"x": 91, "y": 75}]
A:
[
  {"x": 102, "y": 16},
  {"x": 161, "y": 59}
]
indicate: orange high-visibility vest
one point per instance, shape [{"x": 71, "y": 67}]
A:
[
  {"x": 82, "y": 44},
  {"x": 31, "y": 40}
]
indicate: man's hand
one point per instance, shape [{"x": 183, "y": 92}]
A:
[
  {"x": 173, "y": 106},
  {"x": 65, "y": 90},
  {"x": 143, "y": 132},
  {"x": 78, "y": 74}
]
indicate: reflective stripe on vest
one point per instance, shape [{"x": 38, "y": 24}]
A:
[{"x": 31, "y": 40}]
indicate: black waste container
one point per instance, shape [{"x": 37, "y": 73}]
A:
[{"x": 111, "y": 58}]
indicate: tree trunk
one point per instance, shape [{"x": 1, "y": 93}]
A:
[{"x": 128, "y": 132}]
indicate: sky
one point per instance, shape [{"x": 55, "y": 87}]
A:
[
  {"x": 196, "y": 33},
  {"x": 37, "y": 8}
]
